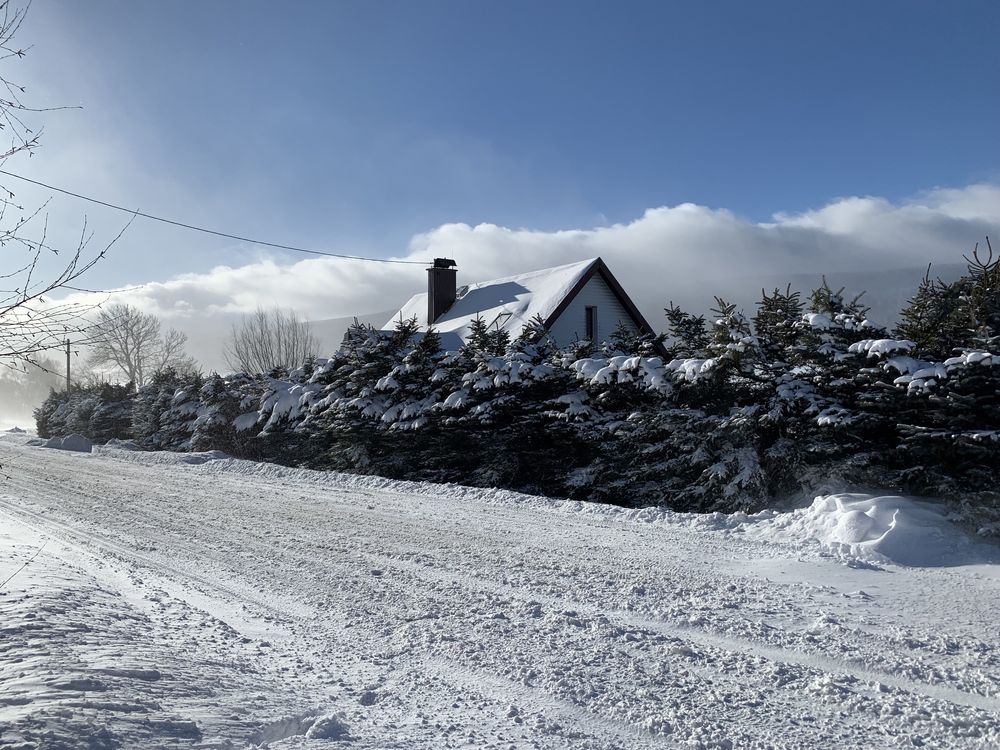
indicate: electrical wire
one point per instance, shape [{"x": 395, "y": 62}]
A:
[
  {"x": 25, "y": 565},
  {"x": 192, "y": 227}
]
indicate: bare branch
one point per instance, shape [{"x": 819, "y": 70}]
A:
[
  {"x": 272, "y": 339},
  {"x": 31, "y": 322}
]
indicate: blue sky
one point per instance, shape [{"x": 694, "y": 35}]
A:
[{"x": 356, "y": 126}]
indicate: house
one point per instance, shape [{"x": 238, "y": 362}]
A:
[{"x": 577, "y": 301}]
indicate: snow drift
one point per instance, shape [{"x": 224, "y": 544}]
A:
[
  {"x": 881, "y": 528},
  {"x": 74, "y": 442}
]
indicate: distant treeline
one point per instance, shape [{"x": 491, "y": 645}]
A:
[{"x": 741, "y": 411}]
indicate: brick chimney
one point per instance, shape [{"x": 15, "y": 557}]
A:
[{"x": 440, "y": 288}]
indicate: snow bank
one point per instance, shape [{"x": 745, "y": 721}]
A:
[
  {"x": 877, "y": 528},
  {"x": 72, "y": 442},
  {"x": 122, "y": 445},
  {"x": 124, "y": 452},
  {"x": 880, "y": 528}
]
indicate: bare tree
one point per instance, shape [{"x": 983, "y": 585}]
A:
[
  {"x": 129, "y": 341},
  {"x": 31, "y": 323},
  {"x": 270, "y": 339}
]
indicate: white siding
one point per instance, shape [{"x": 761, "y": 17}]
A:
[{"x": 572, "y": 323}]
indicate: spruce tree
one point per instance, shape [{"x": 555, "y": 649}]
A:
[
  {"x": 686, "y": 334},
  {"x": 478, "y": 338},
  {"x": 934, "y": 318},
  {"x": 776, "y": 323},
  {"x": 981, "y": 301},
  {"x": 112, "y": 414}
]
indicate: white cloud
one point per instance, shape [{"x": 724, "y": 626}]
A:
[{"x": 680, "y": 253}]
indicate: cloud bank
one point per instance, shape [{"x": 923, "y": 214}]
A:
[{"x": 682, "y": 253}]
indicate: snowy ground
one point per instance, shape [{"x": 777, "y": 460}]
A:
[{"x": 193, "y": 601}]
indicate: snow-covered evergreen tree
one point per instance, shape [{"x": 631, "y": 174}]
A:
[
  {"x": 112, "y": 414},
  {"x": 687, "y": 336}
]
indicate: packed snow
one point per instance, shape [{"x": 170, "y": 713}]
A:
[{"x": 192, "y": 600}]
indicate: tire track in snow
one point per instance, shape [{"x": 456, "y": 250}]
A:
[
  {"x": 686, "y": 632},
  {"x": 456, "y": 675},
  {"x": 94, "y": 543},
  {"x": 672, "y": 629},
  {"x": 312, "y": 523}
]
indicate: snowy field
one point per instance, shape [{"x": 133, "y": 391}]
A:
[{"x": 197, "y": 601}]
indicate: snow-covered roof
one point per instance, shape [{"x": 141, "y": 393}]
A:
[{"x": 508, "y": 303}]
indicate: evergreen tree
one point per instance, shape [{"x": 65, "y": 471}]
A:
[
  {"x": 478, "y": 338},
  {"x": 776, "y": 323},
  {"x": 44, "y": 423},
  {"x": 534, "y": 334},
  {"x": 934, "y": 318},
  {"x": 221, "y": 402},
  {"x": 981, "y": 301},
  {"x": 686, "y": 333},
  {"x": 112, "y": 414},
  {"x": 497, "y": 341},
  {"x": 151, "y": 402}
]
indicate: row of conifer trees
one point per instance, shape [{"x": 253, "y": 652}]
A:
[{"x": 731, "y": 412}]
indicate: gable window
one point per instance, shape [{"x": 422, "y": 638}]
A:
[{"x": 591, "y": 323}]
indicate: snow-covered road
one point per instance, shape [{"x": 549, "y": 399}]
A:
[{"x": 181, "y": 601}]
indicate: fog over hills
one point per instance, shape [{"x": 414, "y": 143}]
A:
[{"x": 885, "y": 292}]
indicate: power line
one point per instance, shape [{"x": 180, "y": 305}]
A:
[
  {"x": 25, "y": 565},
  {"x": 210, "y": 231}
]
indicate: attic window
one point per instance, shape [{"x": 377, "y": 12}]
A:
[
  {"x": 501, "y": 320},
  {"x": 591, "y": 323}
]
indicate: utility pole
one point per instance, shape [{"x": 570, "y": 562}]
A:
[{"x": 67, "y": 365}]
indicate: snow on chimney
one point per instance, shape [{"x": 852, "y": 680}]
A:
[{"x": 440, "y": 288}]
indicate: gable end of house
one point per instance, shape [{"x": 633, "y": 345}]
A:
[{"x": 607, "y": 293}]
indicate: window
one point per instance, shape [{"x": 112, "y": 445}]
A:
[
  {"x": 591, "y": 324},
  {"x": 501, "y": 320}
]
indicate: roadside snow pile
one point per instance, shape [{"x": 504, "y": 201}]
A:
[
  {"x": 122, "y": 445},
  {"x": 72, "y": 442},
  {"x": 124, "y": 451},
  {"x": 875, "y": 528},
  {"x": 885, "y": 528}
]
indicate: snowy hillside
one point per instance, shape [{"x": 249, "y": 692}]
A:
[{"x": 190, "y": 600}]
